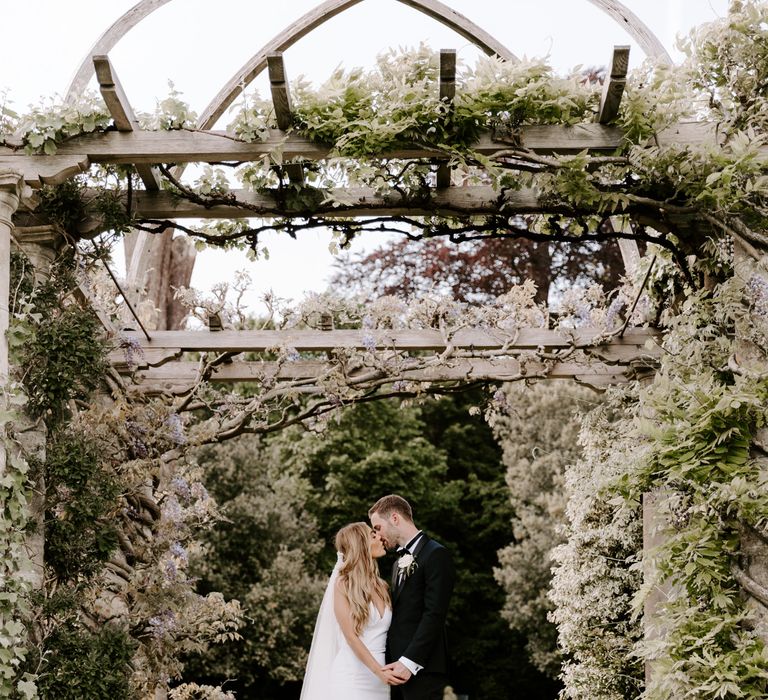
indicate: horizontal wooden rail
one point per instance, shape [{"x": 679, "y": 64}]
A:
[
  {"x": 150, "y": 147},
  {"x": 181, "y": 373},
  {"x": 428, "y": 339}
]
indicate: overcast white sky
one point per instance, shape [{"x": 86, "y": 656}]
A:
[{"x": 200, "y": 45}]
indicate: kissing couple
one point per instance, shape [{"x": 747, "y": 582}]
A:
[{"x": 372, "y": 639}]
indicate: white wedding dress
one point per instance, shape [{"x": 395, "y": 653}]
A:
[
  {"x": 333, "y": 671},
  {"x": 350, "y": 678}
]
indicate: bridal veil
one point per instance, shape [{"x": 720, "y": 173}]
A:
[{"x": 325, "y": 643}]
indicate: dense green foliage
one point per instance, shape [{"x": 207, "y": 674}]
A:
[
  {"x": 58, "y": 346},
  {"x": 265, "y": 554},
  {"x": 696, "y": 433},
  {"x": 708, "y": 411},
  {"x": 81, "y": 499},
  {"x": 59, "y": 355},
  {"x": 85, "y": 663},
  {"x": 537, "y": 428}
]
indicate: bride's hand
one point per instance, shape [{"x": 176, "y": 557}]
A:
[{"x": 389, "y": 677}]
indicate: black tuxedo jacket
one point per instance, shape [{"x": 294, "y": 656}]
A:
[{"x": 419, "y": 608}]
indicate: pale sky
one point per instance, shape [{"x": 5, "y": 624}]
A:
[{"x": 199, "y": 45}]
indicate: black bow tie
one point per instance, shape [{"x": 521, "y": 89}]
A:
[{"x": 402, "y": 551}]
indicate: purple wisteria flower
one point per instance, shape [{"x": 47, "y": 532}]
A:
[
  {"x": 757, "y": 288},
  {"x": 181, "y": 488},
  {"x": 171, "y": 510},
  {"x": 178, "y": 551},
  {"x": 615, "y": 308},
  {"x": 176, "y": 428},
  {"x": 369, "y": 342},
  {"x": 162, "y": 624},
  {"x": 132, "y": 350},
  {"x": 170, "y": 570}
]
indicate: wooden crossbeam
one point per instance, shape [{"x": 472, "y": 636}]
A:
[
  {"x": 184, "y": 373},
  {"x": 427, "y": 339},
  {"x": 122, "y": 113},
  {"x": 460, "y": 202},
  {"x": 148, "y": 147},
  {"x": 358, "y": 201},
  {"x": 613, "y": 88},
  {"x": 281, "y": 99},
  {"x": 167, "y": 345},
  {"x": 447, "y": 93}
]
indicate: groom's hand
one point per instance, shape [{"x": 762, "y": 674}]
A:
[
  {"x": 399, "y": 671},
  {"x": 389, "y": 677}
]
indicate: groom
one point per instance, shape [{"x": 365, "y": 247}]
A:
[{"x": 422, "y": 583}]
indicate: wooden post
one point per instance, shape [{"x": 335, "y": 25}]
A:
[{"x": 447, "y": 93}]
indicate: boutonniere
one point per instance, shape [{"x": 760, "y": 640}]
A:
[{"x": 406, "y": 565}]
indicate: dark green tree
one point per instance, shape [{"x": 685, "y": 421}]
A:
[
  {"x": 265, "y": 554},
  {"x": 447, "y": 463}
]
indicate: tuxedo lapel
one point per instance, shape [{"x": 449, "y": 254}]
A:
[
  {"x": 420, "y": 545},
  {"x": 397, "y": 587}
]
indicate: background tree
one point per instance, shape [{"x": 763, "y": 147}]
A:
[
  {"x": 447, "y": 463},
  {"x": 264, "y": 554},
  {"x": 476, "y": 271},
  {"x": 538, "y": 434}
]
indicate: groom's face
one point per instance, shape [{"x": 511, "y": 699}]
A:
[{"x": 387, "y": 530}]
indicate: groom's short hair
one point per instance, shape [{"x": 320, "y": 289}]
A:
[{"x": 393, "y": 503}]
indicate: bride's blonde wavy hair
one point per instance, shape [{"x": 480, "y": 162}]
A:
[{"x": 359, "y": 575}]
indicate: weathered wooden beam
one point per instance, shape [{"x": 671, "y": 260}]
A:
[
  {"x": 211, "y": 146},
  {"x": 447, "y": 93},
  {"x": 184, "y": 373},
  {"x": 358, "y": 201},
  {"x": 281, "y": 100},
  {"x": 122, "y": 113},
  {"x": 406, "y": 340},
  {"x": 614, "y": 85},
  {"x": 43, "y": 170},
  {"x": 278, "y": 84}
]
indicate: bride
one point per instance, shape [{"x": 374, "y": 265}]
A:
[{"x": 346, "y": 660}]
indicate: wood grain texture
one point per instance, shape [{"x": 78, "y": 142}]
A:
[
  {"x": 447, "y": 93},
  {"x": 311, "y": 340},
  {"x": 185, "y": 372},
  {"x": 613, "y": 88},
  {"x": 211, "y": 146},
  {"x": 122, "y": 113},
  {"x": 362, "y": 201}
]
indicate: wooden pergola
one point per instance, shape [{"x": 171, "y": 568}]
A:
[
  {"x": 603, "y": 360},
  {"x": 162, "y": 364}
]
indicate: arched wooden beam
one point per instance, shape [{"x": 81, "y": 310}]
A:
[
  {"x": 108, "y": 39},
  {"x": 318, "y": 16},
  {"x": 622, "y": 15},
  {"x": 635, "y": 27}
]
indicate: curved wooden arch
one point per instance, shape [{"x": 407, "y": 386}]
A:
[
  {"x": 631, "y": 23},
  {"x": 318, "y": 16},
  {"x": 321, "y": 14},
  {"x": 635, "y": 27},
  {"x": 107, "y": 41}
]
